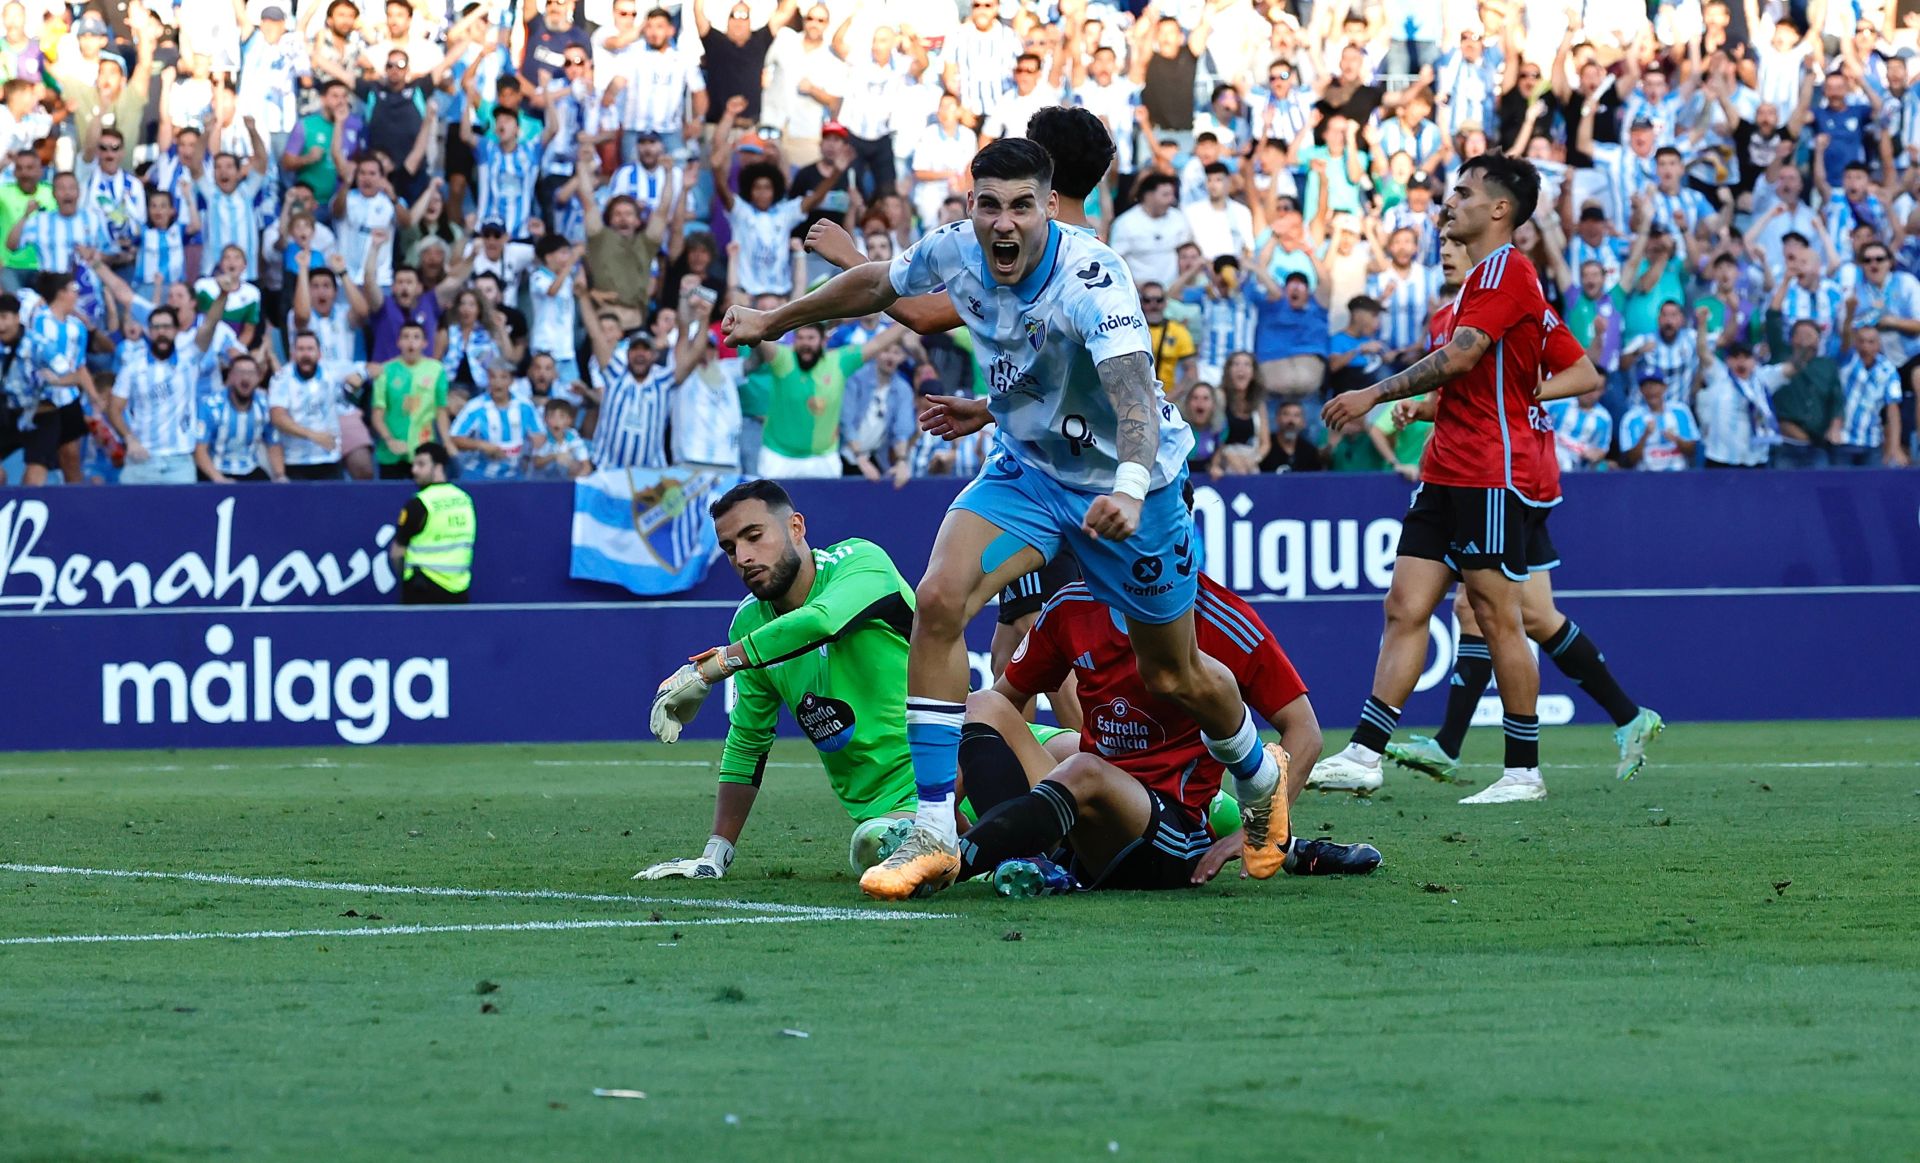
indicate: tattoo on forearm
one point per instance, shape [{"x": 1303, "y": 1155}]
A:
[
  {"x": 1439, "y": 367},
  {"x": 1132, "y": 388}
]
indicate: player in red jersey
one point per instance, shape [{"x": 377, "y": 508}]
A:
[
  {"x": 1569, "y": 373},
  {"x": 1487, "y": 476},
  {"x": 1134, "y": 802}
]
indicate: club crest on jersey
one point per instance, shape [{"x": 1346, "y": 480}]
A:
[{"x": 1036, "y": 332}]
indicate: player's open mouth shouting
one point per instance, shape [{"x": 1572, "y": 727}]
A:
[{"x": 1005, "y": 256}]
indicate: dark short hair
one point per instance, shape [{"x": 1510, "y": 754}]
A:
[
  {"x": 1153, "y": 182},
  {"x": 1013, "y": 159},
  {"x": 332, "y": 83},
  {"x": 297, "y": 336},
  {"x": 1364, "y": 303},
  {"x": 1078, "y": 143},
  {"x": 560, "y": 404},
  {"x": 1664, "y": 150},
  {"x": 550, "y": 244},
  {"x": 1513, "y": 177},
  {"x": 1212, "y": 168},
  {"x": 9, "y": 303},
  {"x": 51, "y": 283},
  {"x": 410, "y": 325},
  {"x": 765, "y": 491},
  {"x": 433, "y": 450},
  {"x": 1851, "y": 166},
  {"x": 172, "y": 316},
  {"x": 1737, "y": 349}
]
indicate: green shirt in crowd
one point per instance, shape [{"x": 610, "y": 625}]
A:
[
  {"x": 409, "y": 399},
  {"x": 803, "y": 407},
  {"x": 13, "y": 207}
]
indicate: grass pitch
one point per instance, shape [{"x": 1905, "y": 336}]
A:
[{"x": 1717, "y": 960}]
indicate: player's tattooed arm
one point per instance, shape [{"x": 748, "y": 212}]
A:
[
  {"x": 1437, "y": 368},
  {"x": 1134, "y": 392}
]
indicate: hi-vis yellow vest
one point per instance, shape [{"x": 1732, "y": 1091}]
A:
[{"x": 443, "y": 551}]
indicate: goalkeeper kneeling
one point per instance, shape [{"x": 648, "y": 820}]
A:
[{"x": 824, "y": 634}]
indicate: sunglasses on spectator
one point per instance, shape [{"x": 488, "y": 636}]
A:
[
  {"x": 986, "y": 4},
  {"x": 1152, "y": 300},
  {"x": 573, "y": 62},
  {"x": 1018, "y": 69},
  {"x": 103, "y": 147},
  {"x": 1877, "y": 258},
  {"x": 1529, "y": 74},
  {"x": 1280, "y": 75},
  {"x": 396, "y": 64}
]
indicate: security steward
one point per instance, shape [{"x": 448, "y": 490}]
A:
[{"x": 432, "y": 544}]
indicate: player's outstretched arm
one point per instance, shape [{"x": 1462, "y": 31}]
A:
[
  {"x": 931, "y": 314},
  {"x": 864, "y": 586},
  {"x": 863, "y": 290},
  {"x": 1438, "y": 367},
  {"x": 1134, "y": 393}
]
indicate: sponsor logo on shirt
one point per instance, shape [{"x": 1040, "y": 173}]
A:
[
  {"x": 1123, "y": 728},
  {"x": 828, "y": 722},
  {"x": 1114, "y": 323}
]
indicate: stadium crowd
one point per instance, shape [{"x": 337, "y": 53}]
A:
[{"x": 255, "y": 239}]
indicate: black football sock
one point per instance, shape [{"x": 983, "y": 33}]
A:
[
  {"x": 1580, "y": 660},
  {"x": 1472, "y": 671},
  {"x": 1377, "y": 721},
  {"x": 1023, "y": 826},
  {"x": 1523, "y": 740},
  {"x": 990, "y": 773}
]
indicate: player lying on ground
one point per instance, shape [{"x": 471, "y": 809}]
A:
[
  {"x": 1089, "y": 456},
  {"x": 1570, "y": 372},
  {"x": 1484, "y": 480},
  {"x": 823, "y": 632},
  {"x": 1134, "y": 802}
]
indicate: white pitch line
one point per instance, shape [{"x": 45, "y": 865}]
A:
[
  {"x": 416, "y": 930},
  {"x": 819, "y": 912},
  {"x": 699, "y": 763}
]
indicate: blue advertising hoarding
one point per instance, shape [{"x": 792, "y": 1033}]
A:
[{"x": 152, "y": 617}]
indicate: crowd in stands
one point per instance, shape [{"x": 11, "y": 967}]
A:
[{"x": 267, "y": 240}]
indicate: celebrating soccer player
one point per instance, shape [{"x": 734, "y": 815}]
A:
[
  {"x": 1135, "y": 802},
  {"x": 827, "y": 637},
  {"x": 1090, "y": 456},
  {"x": 1487, "y": 477}
]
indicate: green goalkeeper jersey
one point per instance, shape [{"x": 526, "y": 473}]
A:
[{"x": 839, "y": 665}]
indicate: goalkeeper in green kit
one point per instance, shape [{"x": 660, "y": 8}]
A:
[{"x": 824, "y": 633}]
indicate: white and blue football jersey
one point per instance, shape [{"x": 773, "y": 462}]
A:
[{"x": 1039, "y": 343}]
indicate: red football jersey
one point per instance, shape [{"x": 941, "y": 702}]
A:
[
  {"x": 1489, "y": 432},
  {"x": 1149, "y": 738},
  {"x": 1562, "y": 351}
]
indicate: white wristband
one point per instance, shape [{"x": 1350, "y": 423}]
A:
[
  {"x": 720, "y": 851},
  {"x": 1132, "y": 480}
]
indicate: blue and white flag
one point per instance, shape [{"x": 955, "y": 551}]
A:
[{"x": 646, "y": 529}]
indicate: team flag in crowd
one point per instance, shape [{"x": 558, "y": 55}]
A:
[{"x": 646, "y": 529}]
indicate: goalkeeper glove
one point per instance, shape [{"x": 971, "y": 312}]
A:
[
  {"x": 677, "y": 703},
  {"x": 709, "y": 865}
]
